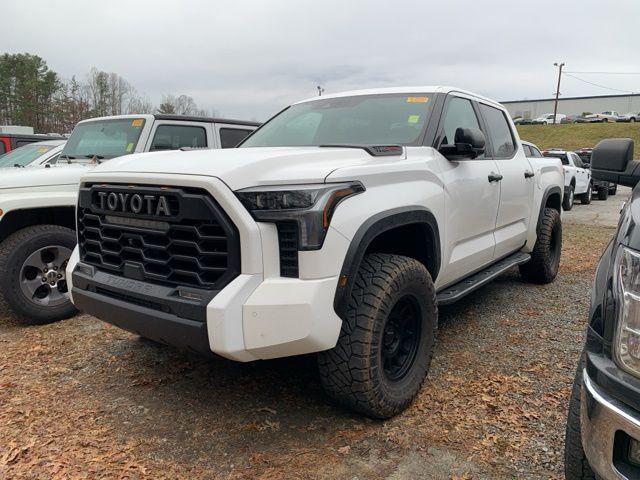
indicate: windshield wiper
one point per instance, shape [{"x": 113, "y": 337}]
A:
[
  {"x": 96, "y": 158},
  {"x": 68, "y": 158}
]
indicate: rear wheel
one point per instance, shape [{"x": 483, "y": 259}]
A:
[
  {"x": 32, "y": 273},
  {"x": 567, "y": 201},
  {"x": 585, "y": 198},
  {"x": 387, "y": 338},
  {"x": 545, "y": 258}
]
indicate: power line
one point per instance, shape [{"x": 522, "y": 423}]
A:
[
  {"x": 597, "y": 84},
  {"x": 606, "y": 73}
]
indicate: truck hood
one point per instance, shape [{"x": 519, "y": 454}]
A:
[
  {"x": 244, "y": 167},
  {"x": 41, "y": 177}
]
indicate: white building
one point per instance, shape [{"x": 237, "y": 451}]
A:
[{"x": 574, "y": 105}]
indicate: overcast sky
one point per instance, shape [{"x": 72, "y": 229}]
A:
[{"x": 249, "y": 58}]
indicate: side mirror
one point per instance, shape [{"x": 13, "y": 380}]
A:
[
  {"x": 612, "y": 161},
  {"x": 468, "y": 143},
  {"x": 612, "y": 154}
]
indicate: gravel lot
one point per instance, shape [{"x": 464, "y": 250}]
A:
[{"x": 82, "y": 399}]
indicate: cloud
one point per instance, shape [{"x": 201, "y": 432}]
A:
[{"x": 249, "y": 59}]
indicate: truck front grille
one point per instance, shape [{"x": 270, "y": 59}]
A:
[{"x": 191, "y": 243}]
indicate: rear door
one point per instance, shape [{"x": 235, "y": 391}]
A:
[
  {"x": 516, "y": 185},
  {"x": 172, "y": 135},
  {"x": 471, "y": 200}
]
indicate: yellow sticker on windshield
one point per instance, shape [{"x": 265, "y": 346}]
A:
[
  {"x": 43, "y": 150},
  {"x": 413, "y": 119},
  {"x": 137, "y": 122},
  {"x": 130, "y": 147},
  {"x": 417, "y": 99}
]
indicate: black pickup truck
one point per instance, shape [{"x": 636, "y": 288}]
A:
[{"x": 603, "y": 426}]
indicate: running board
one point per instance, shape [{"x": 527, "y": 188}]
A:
[{"x": 456, "y": 292}]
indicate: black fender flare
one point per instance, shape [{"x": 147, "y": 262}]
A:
[
  {"x": 545, "y": 196},
  {"x": 368, "y": 231}
]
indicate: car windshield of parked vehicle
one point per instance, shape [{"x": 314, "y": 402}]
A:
[
  {"x": 561, "y": 156},
  {"x": 103, "y": 139},
  {"x": 23, "y": 156},
  {"x": 394, "y": 119}
]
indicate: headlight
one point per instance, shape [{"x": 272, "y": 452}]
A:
[
  {"x": 309, "y": 206},
  {"x": 627, "y": 281}
]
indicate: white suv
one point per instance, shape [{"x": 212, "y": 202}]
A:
[{"x": 337, "y": 227}]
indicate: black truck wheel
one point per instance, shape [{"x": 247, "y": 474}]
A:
[
  {"x": 603, "y": 193},
  {"x": 545, "y": 258},
  {"x": 387, "y": 338},
  {"x": 567, "y": 201},
  {"x": 576, "y": 466},
  {"x": 32, "y": 273},
  {"x": 613, "y": 189}
]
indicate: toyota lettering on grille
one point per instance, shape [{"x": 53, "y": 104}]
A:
[{"x": 136, "y": 203}]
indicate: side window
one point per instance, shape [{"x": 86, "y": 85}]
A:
[
  {"x": 230, "y": 137},
  {"x": 459, "y": 114},
  {"x": 577, "y": 160},
  {"x": 173, "y": 137},
  {"x": 53, "y": 160},
  {"x": 500, "y": 132},
  {"x": 527, "y": 150},
  {"x": 536, "y": 153}
]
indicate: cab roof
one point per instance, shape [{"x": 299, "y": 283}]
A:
[
  {"x": 183, "y": 118},
  {"x": 408, "y": 90}
]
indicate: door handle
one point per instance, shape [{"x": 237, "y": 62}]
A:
[
  {"x": 495, "y": 177},
  {"x": 529, "y": 174}
]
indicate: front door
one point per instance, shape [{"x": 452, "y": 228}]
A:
[{"x": 471, "y": 200}]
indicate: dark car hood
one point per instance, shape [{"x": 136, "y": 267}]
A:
[{"x": 629, "y": 227}]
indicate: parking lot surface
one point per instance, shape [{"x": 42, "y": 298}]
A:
[{"x": 82, "y": 399}]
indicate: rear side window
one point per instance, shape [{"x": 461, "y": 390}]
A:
[
  {"x": 535, "y": 152},
  {"x": 561, "y": 156},
  {"x": 502, "y": 139},
  {"x": 173, "y": 137},
  {"x": 230, "y": 137}
]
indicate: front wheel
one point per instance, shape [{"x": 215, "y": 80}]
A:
[
  {"x": 387, "y": 338},
  {"x": 576, "y": 465},
  {"x": 603, "y": 193},
  {"x": 545, "y": 258},
  {"x": 32, "y": 273}
]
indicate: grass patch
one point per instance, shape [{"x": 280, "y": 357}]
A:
[{"x": 577, "y": 135}]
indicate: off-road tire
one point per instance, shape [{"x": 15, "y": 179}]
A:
[
  {"x": 576, "y": 465},
  {"x": 613, "y": 190},
  {"x": 353, "y": 373},
  {"x": 603, "y": 193},
  {"x": 14, "y": 250},
  {"x": 585, "y": 198},
  {"x": 568, "y": 200},
  {"x": 545, "y": 258}
]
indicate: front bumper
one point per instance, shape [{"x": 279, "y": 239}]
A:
[{"x": 606, "y": 425}]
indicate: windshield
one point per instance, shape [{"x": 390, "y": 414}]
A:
[
  {"x": 23, "y": 156},
  {"x": 103, "y": 138},
  {"x": 392, "y": 119}
]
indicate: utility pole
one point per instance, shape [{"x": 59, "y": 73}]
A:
[
  {"x": 555, "y": 108},
  {"x": 320, "y": 90}
]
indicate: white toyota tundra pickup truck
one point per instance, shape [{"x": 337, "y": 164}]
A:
[
  {"x": 37, "y": 206},
  {"x": 577, "y": 178},
  {"x": 338, "y": 227}
]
